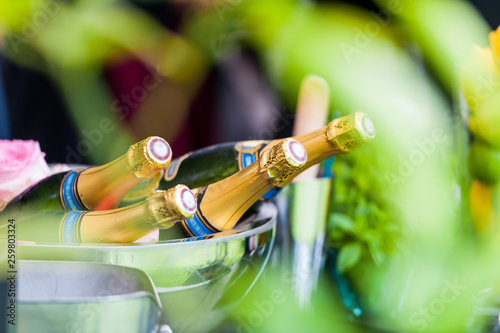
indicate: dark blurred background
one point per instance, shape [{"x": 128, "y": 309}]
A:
[{"x": 222, "y": 109}]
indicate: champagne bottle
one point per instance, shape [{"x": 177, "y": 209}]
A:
[
  {"x": 211, "y": 164},
  {"x": 142, "y": 190},
  {"x": 127, "y": 224},
  {"x": 96, "y": 188},
  {"x": 222, "y": 204}
]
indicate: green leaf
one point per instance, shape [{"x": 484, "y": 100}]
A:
[
  {"x": 361, "y": 209},
  {"x": 342, "y": 222},
  {"x": 374, "y": 246},
  {"x": 377, "y": 254},
  {"x": 361, "y": 223},
  {"x": 349, "y": 256},
  {"x": 368, "y": 236},
  {"x": 336, "y": 236}
]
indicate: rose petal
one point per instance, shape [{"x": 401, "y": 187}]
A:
[{"x": 22, "y": 163}]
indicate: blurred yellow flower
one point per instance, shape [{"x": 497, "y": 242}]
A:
[
  {"x": 480, "y": 77},
  {"x": 480, "y": 201},
  {"x": 494, "y": 37},
  {"x": 485, "y": 121}
]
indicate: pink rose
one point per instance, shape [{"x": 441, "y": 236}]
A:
[{"x": 22, "y": 164}]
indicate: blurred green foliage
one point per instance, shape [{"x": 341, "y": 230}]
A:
[
  {"x": 399, "y": 205},
  {"x": 399, "y": 209},
  {"x": 361, "y": 223}
]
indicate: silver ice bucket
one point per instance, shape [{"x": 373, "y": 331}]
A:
[
  {"x": 197, "y": 280},
  {"x": 59, "y": 296}
]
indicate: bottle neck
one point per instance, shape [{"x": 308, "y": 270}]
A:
[
  {"x": 102, "y": 187},
  {"x": 342, "y": 135},
  {"x": 121, "y": 225},
  {"x": 318, "y": 149},
  {"x": 141, "y": 191},
  {"x": 222, "y": 204},
  {"x": 338, "y": 137},
  {"x": 129, "y": 223},
  {"x": 318, "y": 146}
]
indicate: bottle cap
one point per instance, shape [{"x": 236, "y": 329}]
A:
[
  {"x": 175, "y": 204},
  {"x": 350, "y": 132},
  {"x": 296, "y": 154},
  {"x": 366, "y": 128},
  {"x": 158, "y": 150},
  {"x": 149, "y": 156},
  {"x": 185, "y": 200}
]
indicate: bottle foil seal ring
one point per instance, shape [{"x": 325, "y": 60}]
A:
[
  {"x": 296, "y": 154},
  {"x": 185, "y": 200},
  {"x": 365, "y": 126},
  {"x": 159, "y": 150}
]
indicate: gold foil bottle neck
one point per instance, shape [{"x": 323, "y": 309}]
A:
[
  {"x": 282, "y": 160},
  {"x": 175, "y": 204},
  {"x": 149, "y": 156},
  {"x": 350, "y": 132}
]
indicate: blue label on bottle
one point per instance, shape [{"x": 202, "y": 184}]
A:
[
  {"x": 69, "y": 231},
  {"x": 271, "y": 193},
  {"x": 247, "y": 159},
  {"x": 197, "y": 226},
  {"x": 69, "y": 197}
]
